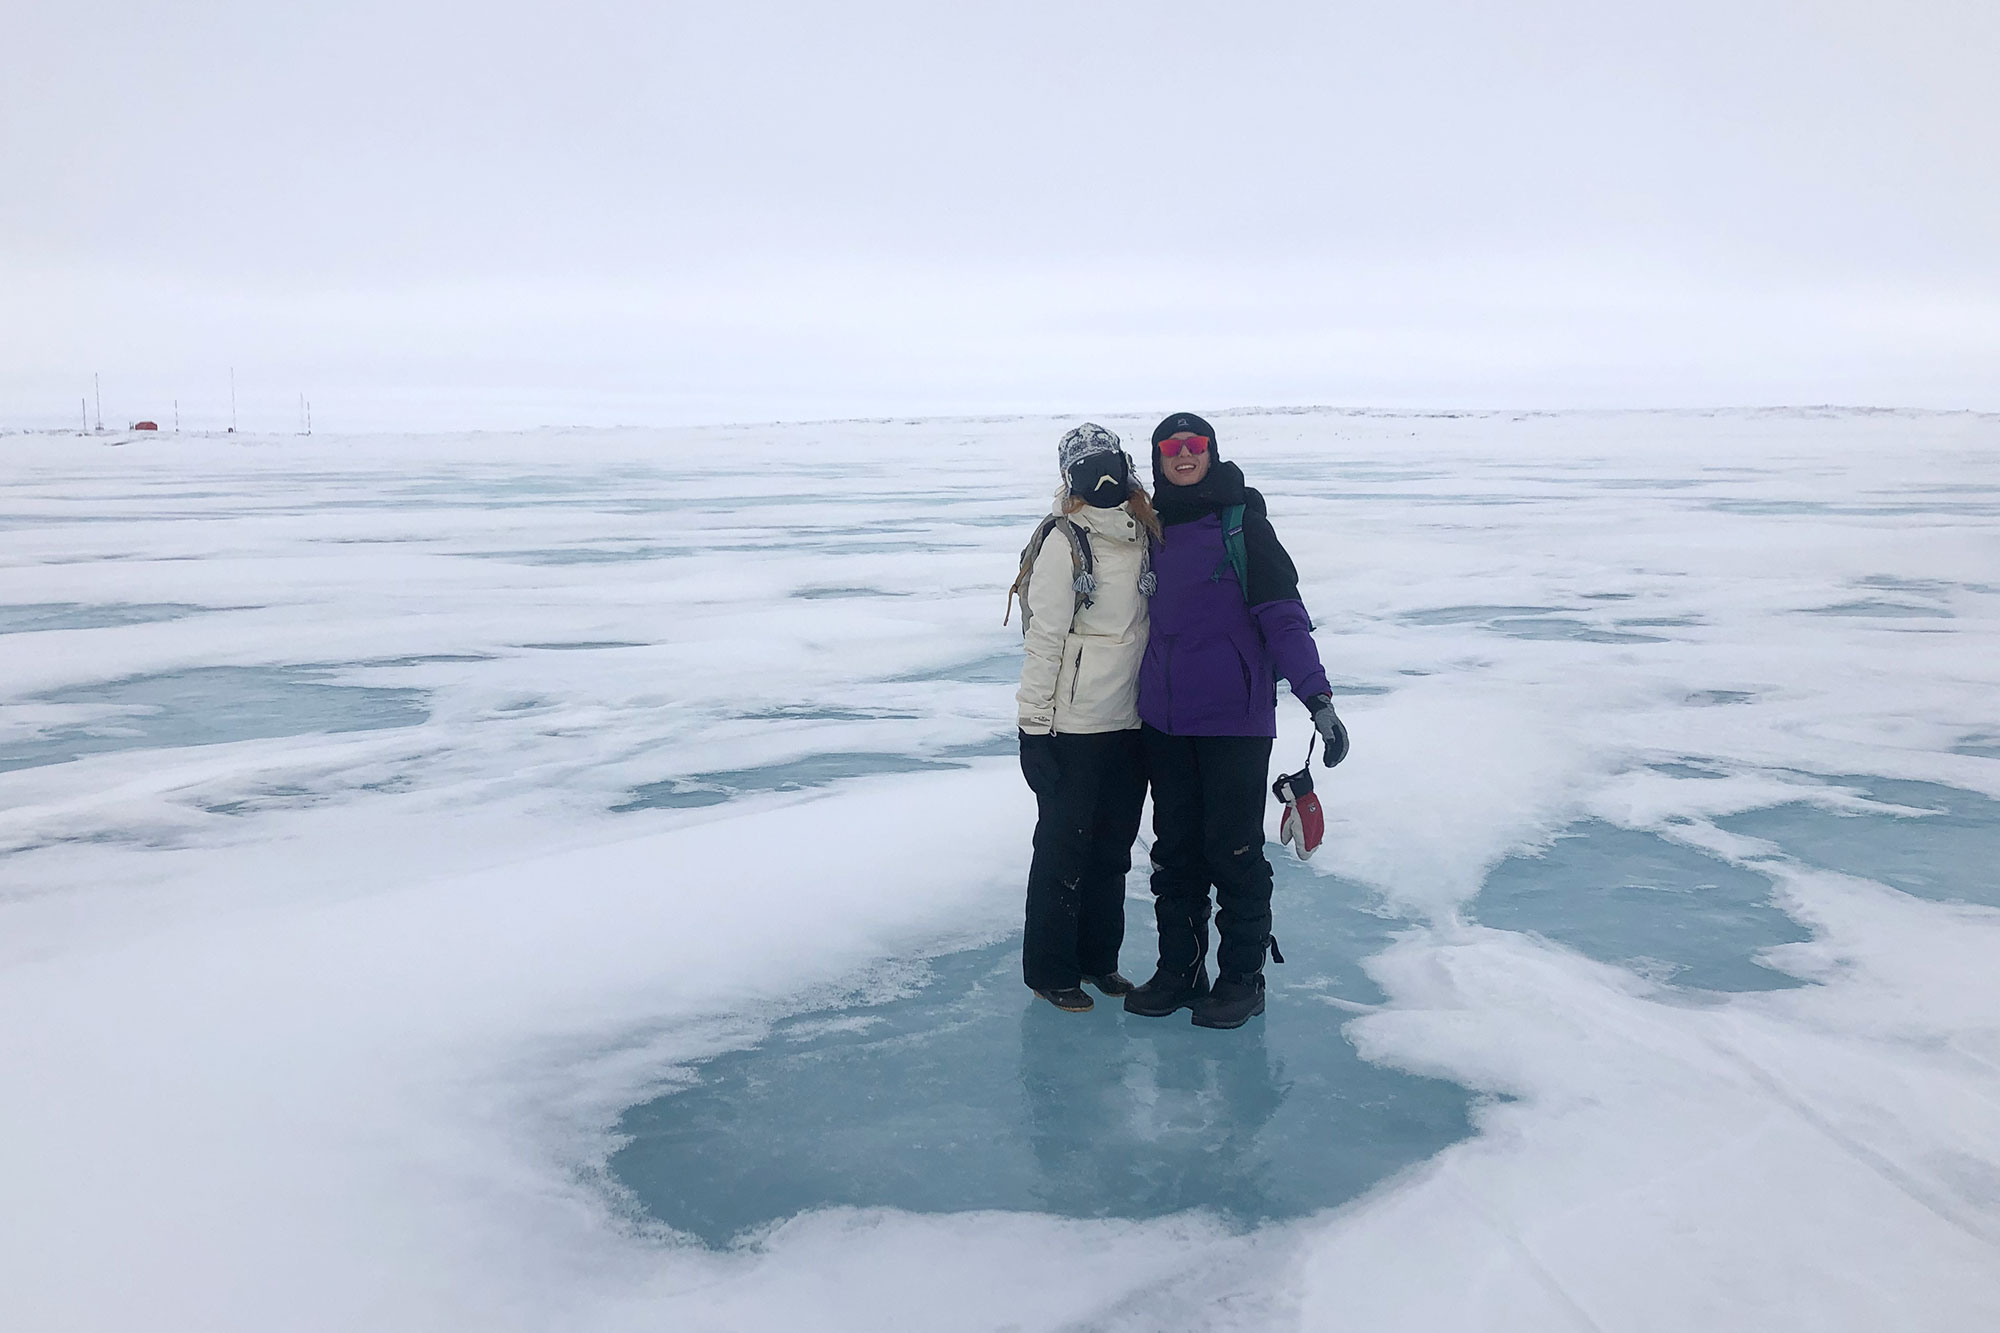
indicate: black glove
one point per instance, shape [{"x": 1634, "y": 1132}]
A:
[
  {"x": 1330, "y": 728},
  {"x": 1039, "y": 764}
]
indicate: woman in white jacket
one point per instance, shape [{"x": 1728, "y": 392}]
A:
[{"x": 1087, "y": 575}]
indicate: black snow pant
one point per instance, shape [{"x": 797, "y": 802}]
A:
[
  {"x": 1208, "y": 829},
  {"x": 1083, "y": 849}
]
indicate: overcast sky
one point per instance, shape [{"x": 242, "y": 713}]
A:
[{"x": 435, "y": 213}]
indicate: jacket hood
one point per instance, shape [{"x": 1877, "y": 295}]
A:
[{"x": 1115, "y": 524}]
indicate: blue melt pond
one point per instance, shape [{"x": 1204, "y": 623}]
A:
[
  {"x": 38, "y": 616},
  {"x": 813, "y": 770},
  {"x": 1950, "y": 851},
  {"x": 209, "y": 705},
  {"x": 1635, "y": 899},
  {"x": 967, "y": 1094}
]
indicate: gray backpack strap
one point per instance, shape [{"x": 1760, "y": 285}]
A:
[
  {"x": 1083, "y": 566},
  {"x": 1083, "y": 570}
]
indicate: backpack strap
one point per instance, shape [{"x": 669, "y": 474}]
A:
[
  {"x": 1236, "y": 556},
  {"x": 1083, "y": 569},
  {"x": 1082, "y": 566}
]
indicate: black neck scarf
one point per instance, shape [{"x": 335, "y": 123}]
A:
[{"x": 1222, "y": 487}]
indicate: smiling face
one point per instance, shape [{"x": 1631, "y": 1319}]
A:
[{"x": 1186, "y": 467}]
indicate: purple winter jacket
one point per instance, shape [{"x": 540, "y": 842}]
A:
[{"x": 1213, "y": 662}]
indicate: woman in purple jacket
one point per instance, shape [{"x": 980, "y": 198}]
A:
[{"x": 1208, "y": 701}]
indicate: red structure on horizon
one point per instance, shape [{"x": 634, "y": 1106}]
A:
[{"x": 145, "y": 425}]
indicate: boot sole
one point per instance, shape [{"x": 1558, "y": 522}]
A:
[
  {"x": 1200, "y": 1022},
  {"x": 1083, "y": 1008},
  {"x": 1159, "y": 1013}
]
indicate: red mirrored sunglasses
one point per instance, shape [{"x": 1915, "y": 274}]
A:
[{"x": 1194, "y": 444}]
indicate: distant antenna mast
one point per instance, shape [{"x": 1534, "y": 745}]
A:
[
  {"x": 304, "y": 429},
  {"x": 98, "y": 390},
  {"x": 83, "y": 407},
  {"x": 232, "y": 400},
  {"x": 177, "y": 416},
  {"x": 309, "y": 416}
]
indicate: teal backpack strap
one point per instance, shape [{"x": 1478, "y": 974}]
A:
[{"x": 1236, "y": 555}]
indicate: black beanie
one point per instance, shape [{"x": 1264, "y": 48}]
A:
[{"x": 1179, "y": 422}]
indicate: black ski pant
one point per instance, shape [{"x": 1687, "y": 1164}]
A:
[
  {"x": 1083, "y": 849},
  {"x": 1208, "y": 830}
]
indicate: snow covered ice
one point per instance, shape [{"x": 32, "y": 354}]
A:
[{"x": 571, "y": 880}]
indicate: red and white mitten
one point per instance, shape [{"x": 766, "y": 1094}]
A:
[{"x": 1303, "y": 824}]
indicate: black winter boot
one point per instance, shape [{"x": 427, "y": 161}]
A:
[
  {"x": 1069, "y": 999},
  {"x": 1168, "y": 991},
  {"x": 1234, "y": 1002},
  {"x": 1111, "y": 984}
]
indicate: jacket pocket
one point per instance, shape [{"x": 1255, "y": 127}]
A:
[{"x": 1211, "y": 683}]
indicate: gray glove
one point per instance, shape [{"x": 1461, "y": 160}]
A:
[{"x": 1330, "y": 728}]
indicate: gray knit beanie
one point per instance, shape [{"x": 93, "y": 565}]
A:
[{"x": 1087, "y": 439}]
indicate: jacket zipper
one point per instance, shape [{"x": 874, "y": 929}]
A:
[{"x": 1077, "y": 674}]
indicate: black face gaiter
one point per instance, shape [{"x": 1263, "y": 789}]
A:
[{"x": 1101, "y": 480}]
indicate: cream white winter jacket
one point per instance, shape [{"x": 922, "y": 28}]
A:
[{"x": 1081, "y": 675}]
